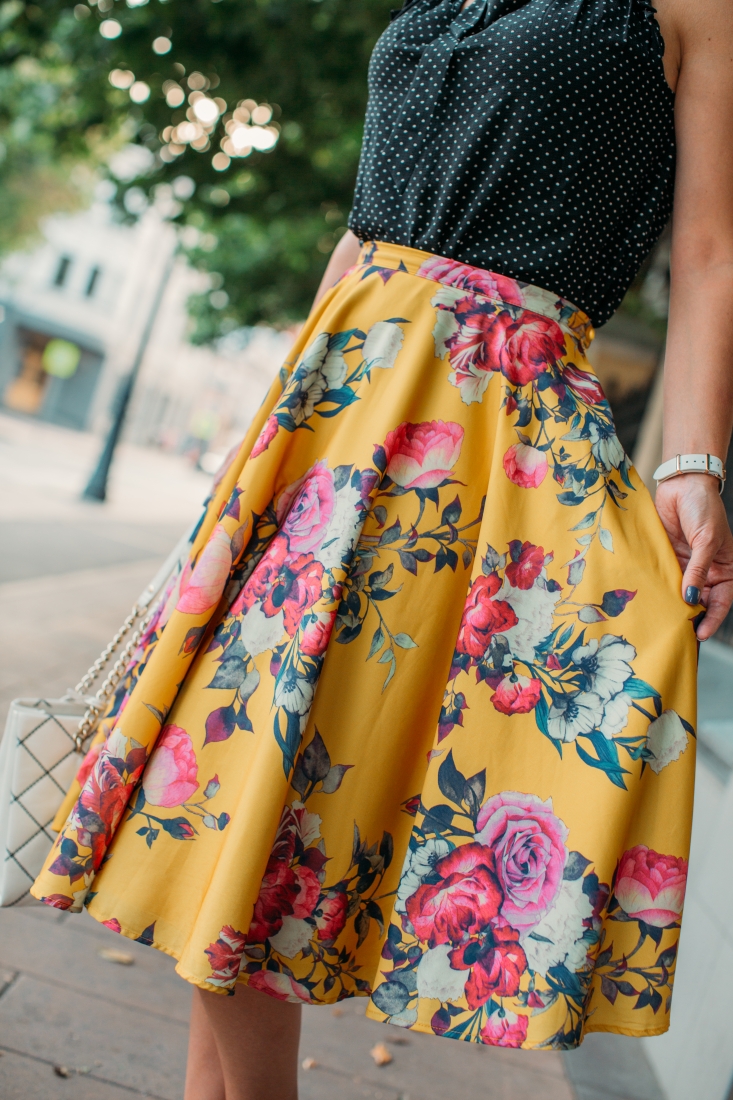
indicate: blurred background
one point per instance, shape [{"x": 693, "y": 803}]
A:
[{"x": 173, "y": 177}]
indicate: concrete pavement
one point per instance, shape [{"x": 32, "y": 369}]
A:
[{"x": 70, "y": 572}]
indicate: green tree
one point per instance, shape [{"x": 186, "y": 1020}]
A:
[{"x": 262, "y": 224}]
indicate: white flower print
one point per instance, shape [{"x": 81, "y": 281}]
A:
[
  {"x": 445, "y": 322},
  {"x": 615, "y": 715},
  {"x": 294, "y": 692},
  {"x": 382, "y": 345},
  {"x": 419, "y": 863},
  {"x": 534, "y": 608},
  {"x": 558, "y": 938},
  {"x": 667, "y": 738},
  {"x": 292, "y": 938},
  {"x": 605, "y": 445},
  {"x": 343, "y": 530},
  {"x": 436, "y": 978},
  {"x": 571, "y": 715},
  {"x": 606, "y": 663},
  {"x": 260, "y": 632}
]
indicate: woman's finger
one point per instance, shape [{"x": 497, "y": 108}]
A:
[
  {"x": 696, "y": 572},
  {"x": 718, "y": 603}
]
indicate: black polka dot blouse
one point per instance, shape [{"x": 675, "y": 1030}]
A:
[{"x": 534, "y": 138}]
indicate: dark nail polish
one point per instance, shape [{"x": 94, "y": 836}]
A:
[{"x": 692, "y": 595}]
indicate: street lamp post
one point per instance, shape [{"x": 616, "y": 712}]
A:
[{"x": 96, "y": 488}]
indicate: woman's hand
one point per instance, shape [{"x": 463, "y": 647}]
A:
[{"x": 694, "y": 518}]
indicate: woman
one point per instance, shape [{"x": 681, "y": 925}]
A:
[{"x": 481, "y": 817}]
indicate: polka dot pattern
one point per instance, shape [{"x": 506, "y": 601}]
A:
[{"x": 534, "y": 138}]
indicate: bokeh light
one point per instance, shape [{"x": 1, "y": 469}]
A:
[
  {"x": 140, "y": 92},
  {"x": 205, "y": 109},
  {"x": 110, "y": 28},
  {"x": 220, "y": 162},
  {"x": 121, "y": 78},
  {"x": 162, "y": 45}
]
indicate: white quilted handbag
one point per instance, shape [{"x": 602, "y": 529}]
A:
[{"x": 42, "y": 749}]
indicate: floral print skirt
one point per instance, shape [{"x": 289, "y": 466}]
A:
[{"x": 414, "y": 718}]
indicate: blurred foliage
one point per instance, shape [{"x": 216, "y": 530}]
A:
[{"x": 264, "y": 226}]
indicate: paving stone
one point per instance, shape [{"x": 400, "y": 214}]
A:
[
  {"x": 24, "y": 1078},
  {"x": 611, "y": 1067},
  {"x": 124, "y": 1046},
  {"x": 66, "y": 953},
  {"x": 423, "y": 1067}
]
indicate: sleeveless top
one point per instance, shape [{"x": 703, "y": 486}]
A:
[{"x": 534, "y": 138}]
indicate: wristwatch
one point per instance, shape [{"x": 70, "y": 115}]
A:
[{"x": 691, "y": 464}]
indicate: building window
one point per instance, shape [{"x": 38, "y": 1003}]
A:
[
  {"x": 93, "y": 281},
  {"x": 62, "y": 271}
]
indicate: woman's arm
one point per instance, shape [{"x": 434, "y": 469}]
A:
[
  {"x": 343, "y": 257},
  {"x": 698, "y": 369}
]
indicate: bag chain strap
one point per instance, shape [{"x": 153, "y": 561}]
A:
[{"x": 95, "y": 707}]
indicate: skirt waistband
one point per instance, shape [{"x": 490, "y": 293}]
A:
[{"x": 499, "y": 288}]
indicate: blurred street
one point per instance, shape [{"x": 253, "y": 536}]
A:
[{"x": 77, "y": 1023}]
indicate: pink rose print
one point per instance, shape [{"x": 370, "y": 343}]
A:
[
  {"x": 517, "y": 695},
  {"x": 113, "y": 924},
  {"x": 535, "y": 344},
  {"x": 281, "y": 986},
  {"x": 453, "y": 273},
  {"x": 525, "y": 466},
  {"x": 526, "y": 564},
  {"x": 584, "y": 384},
  {"x": 171, "y": 776},
  {"x": 465, "y": 899},
  {"x": 651, "y": 887},
  {"x": 282, "y": 581},
  {"x": 496, "y": 965},
  {"x": 316, "y": 635},
  {"x": 225, "y": 956},
  {"x": 483, "y": 616},
  {"x": 202, "y": 588},
  {"x": 331, "y": 915},
  {"x": 528, "y": 843},
  {"x": 266, "y": 436},
  {"x": 305, "y": 509},
  {"x": 421, "y": 456},
  {"x": 505, "y": 1029}
]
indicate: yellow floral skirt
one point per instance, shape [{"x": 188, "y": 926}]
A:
[{"x": 414, "y": 718}]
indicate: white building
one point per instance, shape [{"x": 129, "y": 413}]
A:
[{"x": 92, "y": 283}]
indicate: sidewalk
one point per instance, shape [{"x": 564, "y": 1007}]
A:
[{"x": 118, "y": 1028}]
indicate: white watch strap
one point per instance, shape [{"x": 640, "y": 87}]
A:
[{"x": 688, "y": 464}]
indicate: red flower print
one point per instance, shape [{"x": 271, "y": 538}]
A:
[
  {"x": 112, "y": 924},
  {"x": 505, "y": 1029},
  {"x": 421, "y": 456},
  {"x": 496, "y": 965},
  {"x": 57, "y": 901},
  {"x": 171, "y": 776},
  {"x": 526, "y": 564},
  {"x": 291, "y": 583},
  {"x": 308, "y": 892},
  {"x": 225, "y": 956},
  {"x": 266, "y": 436},
  {"x": 462, "y": 903},
  {"x": 278, "y": 891},
  {"x": 534, "y": 345},
  {"x": 483, "y": 616},
  {"x": 480, "y": 344},
  {"x": 88, "y": 763},
  {"x": 651, "y": 887},
  {"x": 584, "y": 384},
  {"x": 525, "y": 466},
  {"x": 281, "y": 986},
  {"x": 331, "y": 915},
  {"x": 202, "y": 588},
  {"x": 516, "y": 695},
  {"x": 316, "y": 635}
]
